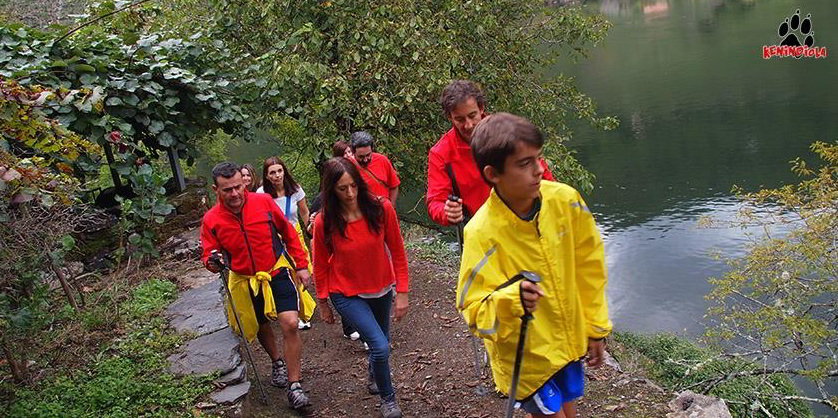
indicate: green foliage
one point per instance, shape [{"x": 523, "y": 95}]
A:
[
  {"x": 126, "y": 90},
  {"x": 37, "y": 191},
  {"x": 37, "y": 154},
  {"x": 678, "y": 364},
  {"x": 149, "y": 297},
  {"x": 338, "y": 66},
  {"x": 146, "y": 208},
  {"x": 130, "y": 378},
  {"x": 154, "y": 92},
  {"x": 777, "y": 304}
]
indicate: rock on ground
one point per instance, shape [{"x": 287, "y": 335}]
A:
[
  {"x": 230, "y": 394},
  {"x": 218, "y": 351},
  {"x": 689, "y": 404},
  {"x": 198, "y": 310}
]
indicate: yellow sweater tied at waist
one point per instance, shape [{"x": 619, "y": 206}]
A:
[{"x": 260, "y": 283}]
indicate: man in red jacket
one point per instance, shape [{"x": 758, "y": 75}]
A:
[
  {"x": 464, "y": 104},
  {"x": 375, "y": 168},
  {"x": 242, "y": 232}
]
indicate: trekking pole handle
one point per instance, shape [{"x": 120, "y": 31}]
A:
[
  {"x": 534, "y": 279},
  {"x": 215, "y": 258}
]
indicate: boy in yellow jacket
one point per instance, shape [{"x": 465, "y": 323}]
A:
[{"x": 546, "y": 228}]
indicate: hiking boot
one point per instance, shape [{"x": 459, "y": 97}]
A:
[
  {"x": 353, "y": 336},
  {"x": 279, "y": 374},
  {"x": 390, "y": 409},
  {"x": 297, "y": 398}
]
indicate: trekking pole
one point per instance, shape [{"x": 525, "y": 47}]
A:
[
  {"x": 522, "y": 339},
  {"x": 224, "y": 273},
  {"x": 480, "y": 390}
]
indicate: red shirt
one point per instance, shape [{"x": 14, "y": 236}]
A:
[
  {"x": 359, "y": 262},
  {"x": 246, "y": 236},
  {"x": 379, "y": 175},
  {"x": 473, "y": 189}
]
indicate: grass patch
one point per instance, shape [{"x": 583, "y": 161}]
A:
[
  {"x": 666, "y": 359},
  {"x": 127, "y": 376}
]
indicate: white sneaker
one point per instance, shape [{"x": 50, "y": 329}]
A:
[
  {"x": 303, "y": 325},
  {"x": 354, "y": 336}
]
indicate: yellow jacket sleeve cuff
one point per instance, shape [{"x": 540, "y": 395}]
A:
[{"x": 509, "y": 302}]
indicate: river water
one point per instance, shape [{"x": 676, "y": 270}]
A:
[{"x": 700, "y": 111}]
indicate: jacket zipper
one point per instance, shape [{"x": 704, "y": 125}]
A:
[{"x": 246, "y": 241}]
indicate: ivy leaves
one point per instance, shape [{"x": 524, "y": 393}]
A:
[{"x": 153, "y": 91}]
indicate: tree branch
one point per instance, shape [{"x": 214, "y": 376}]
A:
[{"x": 90, "y": 22}]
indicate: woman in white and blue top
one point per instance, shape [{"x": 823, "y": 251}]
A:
[{"x": 290, "y": 197}]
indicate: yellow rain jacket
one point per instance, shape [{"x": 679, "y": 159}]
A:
[
  {"x": 260, "y": 283},
  {"x": 563, "y": 247}
]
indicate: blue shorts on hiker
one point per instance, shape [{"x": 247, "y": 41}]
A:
[
  {"x": 564, "y": 386},
  {"x": 286, "y": 297}
]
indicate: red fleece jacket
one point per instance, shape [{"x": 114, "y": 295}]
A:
[
  {"x": 451, "y": 148},
  {"x": 246, "y": 236}
]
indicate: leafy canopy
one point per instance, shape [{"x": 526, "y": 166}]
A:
[{"x": 339, "y": 66}]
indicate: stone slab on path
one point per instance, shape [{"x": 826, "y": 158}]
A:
[
  {"x": 230, "y": 394},
  {"x": 199, "y": 310},
  {"x": 236, "y": 376},
  {"x": 209, "y": 353}
]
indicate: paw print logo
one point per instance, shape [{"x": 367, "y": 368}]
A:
[
  {"x": 797, "y": 32},
  {"x": 797, "y": 40}
]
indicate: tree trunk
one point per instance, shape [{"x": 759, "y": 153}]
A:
[
  {"x": 66, "y": 286},
  {"x": 19, "y": 372}
]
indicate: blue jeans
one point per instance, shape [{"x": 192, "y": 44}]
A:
[{"x": 371, "y": 318}]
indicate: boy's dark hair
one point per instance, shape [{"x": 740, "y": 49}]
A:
[
  {"x": 226, "y": 169},
  {"x": 496, "y": 137},
  {"x": 360, "y": 139},
  {"x": 458, "y": 91}
]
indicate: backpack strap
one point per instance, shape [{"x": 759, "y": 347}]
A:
[
  {"x": 375, "y": 177},
  {"x": 277, "y": 244},
  {"x": 288, "y": 208}
]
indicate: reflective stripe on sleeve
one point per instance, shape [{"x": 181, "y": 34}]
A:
[
  {"x": 490, "y": 331},
  {"x": 580, "y": 206},
  {"x": 473, "y": 274}
]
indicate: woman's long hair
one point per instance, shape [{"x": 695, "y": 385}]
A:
[
  {"x": 333, "y": 220},
  {"x": 289, "y": 186},
  {"x": 255, "y": 182}
]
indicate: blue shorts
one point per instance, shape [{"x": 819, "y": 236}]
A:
[{"x": 564, "y": 386}]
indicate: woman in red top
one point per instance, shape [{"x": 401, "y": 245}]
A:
[{"x": 352, "y": 268}]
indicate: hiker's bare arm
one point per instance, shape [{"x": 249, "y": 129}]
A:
[
  {"x": 394, "y": 194},
  {"x": 596, "y": 352},
  {"x": 400, "y": 308},
  {"x": 302, "y": 208}
]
